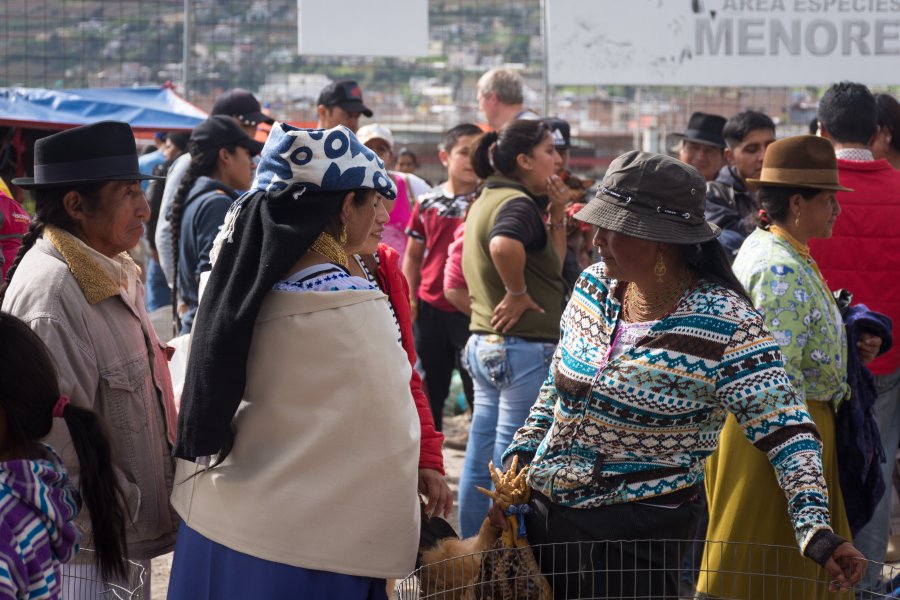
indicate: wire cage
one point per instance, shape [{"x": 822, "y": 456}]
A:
[
  {"x": 676, "y": 569},
  {"x": 82, "y": 580}
]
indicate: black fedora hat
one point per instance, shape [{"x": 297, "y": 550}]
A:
[
  {"x": 705, "y": 128},
  {"x": 103, "y": 151}
]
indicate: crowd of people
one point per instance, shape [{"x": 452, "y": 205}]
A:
[{"x": 697, "y": 339}]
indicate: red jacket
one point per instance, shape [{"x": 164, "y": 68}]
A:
[
  {"x": 394, "y": 284},
  {"x": 863, "y": 253}
]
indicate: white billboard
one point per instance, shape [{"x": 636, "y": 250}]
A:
[
  {"x": 723, "y": 42},
  {"x": 362, "y": 27}
]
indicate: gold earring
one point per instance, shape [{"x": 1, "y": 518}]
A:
[
  {"x": 659, "y": 269},
  {"x": 342, "y": 240},
  {"x": 797, "y": 221}
]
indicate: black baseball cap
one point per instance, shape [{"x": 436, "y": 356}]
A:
[
  {"x": 559, "y": 129},
  {"x": 346, "y": 94},
  {"x": 242, "y": 104},
  {"x": 219, "y": 131}
]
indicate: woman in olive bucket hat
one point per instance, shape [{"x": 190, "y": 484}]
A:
[
  {"x": 299, "y": 388},
  {"x": 659, "y": 344},
  {"x": 797, "y": 193}
]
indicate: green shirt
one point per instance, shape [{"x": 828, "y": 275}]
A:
[
  {"x": 543, "y": 269},
  {"x": 800, "y": 312}
]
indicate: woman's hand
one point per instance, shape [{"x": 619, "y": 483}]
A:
[
  {"x": 558, "y": 194},
  {"x": 434, "y": 487},
  {"x": 508, "y": 312},
  {"x": 868, "y": 346},
  {"x": 846, "y": 566}
]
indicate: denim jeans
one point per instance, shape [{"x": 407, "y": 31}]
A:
[
  {"x": 507, "y": 373},
  {"x": 872, "y": 539},
  {"x": 157, "y": 292}
]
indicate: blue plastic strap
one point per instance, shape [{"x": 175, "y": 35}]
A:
[{"x": 519, "y": 509}]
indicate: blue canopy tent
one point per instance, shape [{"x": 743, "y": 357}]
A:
[
  {"x": 146, "y": 109},
  {"x": 27, "y": 114}
]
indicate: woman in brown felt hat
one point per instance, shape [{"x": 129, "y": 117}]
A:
[
  {"x": 659, "y": 343},
  {"x": 798, "y": 183}
]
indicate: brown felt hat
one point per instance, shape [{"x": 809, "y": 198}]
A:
[
  {"x": 652, "y": 197},
  {"x": 803, "y": 161}
]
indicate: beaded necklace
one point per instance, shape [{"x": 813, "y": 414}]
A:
[
  {"x": 638, "y": 307},
  {"x": 331, "y": 249}
]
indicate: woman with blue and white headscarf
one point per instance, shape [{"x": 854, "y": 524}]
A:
[{"x": 298, "y": 390}]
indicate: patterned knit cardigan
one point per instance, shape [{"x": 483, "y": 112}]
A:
[{"x": 642, "y": 424}]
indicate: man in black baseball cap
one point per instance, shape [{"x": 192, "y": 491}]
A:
[
  {"x": 562, "y": 138},
  {"x": 219, "y": 131},
  {"x": 341, "y": 103},
  {"x": 244, "y": 107}
]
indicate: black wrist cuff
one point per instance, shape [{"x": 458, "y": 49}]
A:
[{"x": 822, "y": 545}]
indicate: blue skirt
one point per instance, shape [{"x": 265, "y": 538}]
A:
[{"x": 203, "y": 569}]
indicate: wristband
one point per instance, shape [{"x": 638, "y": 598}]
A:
[
  {"x": 559, "y": 224},
  {"x": 514, "y": 294}
]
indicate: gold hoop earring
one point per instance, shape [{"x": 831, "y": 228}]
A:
[
  {"x": 659, "y": 269},
  {"x": 342, "y": 239}
]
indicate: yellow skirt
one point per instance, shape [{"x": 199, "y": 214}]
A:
[{"x": 748, "y": 511}]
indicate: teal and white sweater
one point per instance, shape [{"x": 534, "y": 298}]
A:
[{"x": 642, "y": 424}]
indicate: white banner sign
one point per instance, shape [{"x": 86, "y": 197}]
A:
[
  {"x": 723, "y": 42},
  {"x": 362, "y": 27}
]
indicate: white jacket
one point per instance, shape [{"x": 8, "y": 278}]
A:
[{"x": 323, "y": 473}]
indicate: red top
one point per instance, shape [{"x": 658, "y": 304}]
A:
[
  {"x": 453, "y": 271},
  {"x": 394, "y": 284},
  {"x": 433, "y": 222},
  {"x": 863, "y": 253},
  {"x": 14, "y": 222}
]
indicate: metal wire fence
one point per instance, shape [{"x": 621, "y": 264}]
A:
[
  {"x": 633, "y": 569},
  {"x": 82, "y": 581}
]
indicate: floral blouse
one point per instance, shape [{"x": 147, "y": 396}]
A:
[{"x": 800, "y": 312}]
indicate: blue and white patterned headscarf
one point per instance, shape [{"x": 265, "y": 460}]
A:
[
  {"x": 310, "y": 160},
  {"x": 265, "y": 233},
  {"x": 320, "y": 159}
]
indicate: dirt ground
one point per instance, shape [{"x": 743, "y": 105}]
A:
[{"x": 454, "y": 430}]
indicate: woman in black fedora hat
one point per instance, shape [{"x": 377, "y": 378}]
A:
[
  {"x": 659, "y": 343},
  {"x": 798, "y": 183},
  {"x": 74, "y": 284}
]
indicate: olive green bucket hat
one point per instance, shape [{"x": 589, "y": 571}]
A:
[{"x": 652, "y": 197}]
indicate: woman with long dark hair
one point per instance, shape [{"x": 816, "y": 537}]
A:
[
  {"x": 221, "y": 168},
  {"x": 659, "y": 343},
  {"x": 512, "y": 260},
  {"x": 297, "y": 394}
]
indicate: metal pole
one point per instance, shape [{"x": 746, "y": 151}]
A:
[
  {"x": 546, "y": 104},
  {"x": 186, "y": 51},
  {"x": 636, "y": 140}
]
